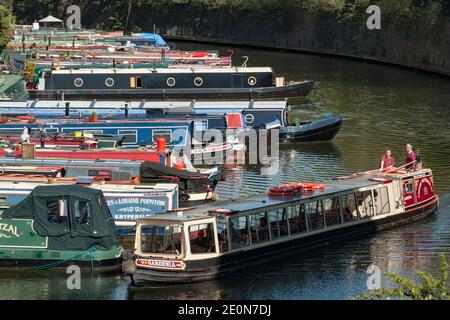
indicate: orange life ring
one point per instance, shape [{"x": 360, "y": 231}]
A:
[
  {"x": 281, "y": 190},
  {"x": 318, "y": 186}
]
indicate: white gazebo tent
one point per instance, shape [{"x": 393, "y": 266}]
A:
[{"x": 50, "y": 19}]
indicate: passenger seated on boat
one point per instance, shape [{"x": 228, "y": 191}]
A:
[
  {"x": 203, "y": 243},
  {"x": 387, "y": 160},
  {"x": 349, "y": 211},
  {"x": 365, "y": 204}
]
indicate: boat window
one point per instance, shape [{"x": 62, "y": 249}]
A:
[
  {"x": 348, "y": 203},
  {"x": 51, "y": 130},
  {"x": 135, "y": 82},
  {"x": 409, "y": 187},
  {"x": 130, "y": 136},
  {"x": 365, "y": 204},
  {"x": 296, "y": 216},
  {"x": 138, "y": 82},
  {"x": 201, "y": 238},
  {"x": 58, "y": 211},
  {"x": 82, "y": 212},
  {"x": 315, "y": 215},
  {"x": 277, "y": 223},
  {"x": 239, "y": 232},
  {"x": 200, "y": 125},
  {"x": 165, "y": 133},
  {"x": 109, "y": 82},
  {"x": 161, "y": 239},
  {"x": 259, "y": 229},
  {"x": 93, "y": 131},
  {"x": 222, "y": 233},
  {"x": 331, "y": 211},
  {"x": 381, "y": 197}
]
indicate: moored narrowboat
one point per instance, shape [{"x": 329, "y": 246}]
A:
[
  {"x": 58, "y": 226},
  {"x": 165, "y": 84},
  {"x": 215, "y": 240}
]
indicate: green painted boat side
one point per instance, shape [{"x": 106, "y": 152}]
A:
[{"x": 60, "y": 255}]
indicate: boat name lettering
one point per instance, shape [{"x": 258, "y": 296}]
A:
[
  {"x": 9, "y": 228},
  {"x": 161, "y": 264},
  {"x": 114, "y": 202}
]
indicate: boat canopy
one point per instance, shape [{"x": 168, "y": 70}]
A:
[
  {"x": 154, "y": 172},
  {"x": 71, "y": 216}
]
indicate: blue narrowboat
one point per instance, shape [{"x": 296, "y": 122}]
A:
[{"x": 135, "y": 132}]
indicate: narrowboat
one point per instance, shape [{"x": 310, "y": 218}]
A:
[
  {"x": 58, "y": 226},
  {"x": 135, "y": 132},
  {"x": 166, "y": 84},
  {"x": 126, "y": 202},
  {"x": 255, "y": 113},
  {"x": 215, "y": 240}
]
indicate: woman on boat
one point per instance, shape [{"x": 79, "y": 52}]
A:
[{"x": 387, "y": 160}]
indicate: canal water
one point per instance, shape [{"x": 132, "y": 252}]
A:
[{"x": 383, "y": 107}]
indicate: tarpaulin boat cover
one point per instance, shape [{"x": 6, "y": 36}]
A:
[
  {"x": 154, "y": 172},
  {"x": 71, "y": 216}
]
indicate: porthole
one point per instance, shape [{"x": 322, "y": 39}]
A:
[
  {"x": 251, "y": 81},
  {"x": 109, "y": 82},
  {"x": 249, "y": 118},
  {"x": 171, "y": 81},
  {"x": 198, "y": 81},
  {"x": 78, "y": 82}
]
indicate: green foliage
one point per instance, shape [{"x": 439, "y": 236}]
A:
[
  {"x": 114, "y": 15},
  {"x": 7, "y": 22},
  {"x": 430, "y": 288}
]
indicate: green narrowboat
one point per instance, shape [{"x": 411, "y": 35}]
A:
[{"x": 58, "y": 226}]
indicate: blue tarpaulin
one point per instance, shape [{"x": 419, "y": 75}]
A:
[{"x": 156, "y": 37}]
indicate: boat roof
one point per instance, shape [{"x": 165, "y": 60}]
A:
[
  {"x": 260, "y": 201},
  {"x": 98, "y": 104},
  {"x": 100, "y": 121},
  {"x": 163, "y": 70}
]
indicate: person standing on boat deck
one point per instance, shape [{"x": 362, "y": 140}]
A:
[
  {"x": 418, "y": 164},
  {"x": 387, "y": 160},
  {"x": 410, "y": 157}
]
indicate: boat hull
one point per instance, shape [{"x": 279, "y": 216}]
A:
[
  {"x": 299, "y": 89},
  {"x": 320, "y": 130},
  {"x": 204, "y": 270},
  {"x": 43, "y": 259}
]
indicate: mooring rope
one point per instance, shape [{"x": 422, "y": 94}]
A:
[{"x": 61, "y": 262}]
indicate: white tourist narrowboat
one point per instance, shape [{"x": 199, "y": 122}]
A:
[{"x": 217, "y": 239}]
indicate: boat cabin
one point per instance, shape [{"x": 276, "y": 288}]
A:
[
  {"x": 59, "y": 225},
  {"x": 218, "y": 238},
  {"x": 156, "y": 78}
]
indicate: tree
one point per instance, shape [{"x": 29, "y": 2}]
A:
[
  {"x": 7, "y": 22},
  {"x": 430, "y": 288}
]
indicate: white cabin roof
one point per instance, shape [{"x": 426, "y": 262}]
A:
[
  {"x": 163, "y": 70},
  {"x": 89, "y": 104}
]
